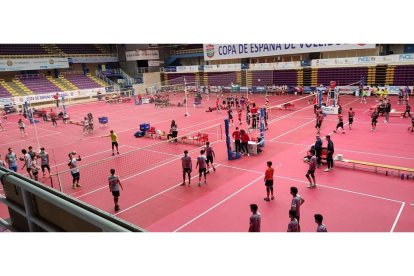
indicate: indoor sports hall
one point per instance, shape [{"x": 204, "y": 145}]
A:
[{"x": 276, "y": 93}]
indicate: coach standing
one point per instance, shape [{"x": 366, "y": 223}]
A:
[
  {"x": 318, "y": 150},
  {"x": 329, "y": 155}
]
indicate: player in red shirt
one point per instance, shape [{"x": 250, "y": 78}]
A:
[
  {"x": 319, "y": 120},
  {"x": 239, "y": 114},
  {"x": 351, "y": 115},
  {"x": 236, "y": 137},
  {"x": 244, "y": 137},
  {"x": 253, "y": 111},
  {"x": 268, "y": 179},
  {"x": 217, "y": 105}
]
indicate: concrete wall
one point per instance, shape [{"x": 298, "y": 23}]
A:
[{"x": 150, "y": 79}]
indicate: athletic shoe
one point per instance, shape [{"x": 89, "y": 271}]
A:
[
  {"x": 182, "y": 184},
  {"x": 343, "y": 132},
  {"x": 248, "y": 154},
  {"x": 117, "y": 152},
  {"x": 327, "y": 170},
  {"x": 334, "y": 131},
  {"x": 77, "y": 185},
  {"x": 310, "y": 186},
  {"x": 272, "y": 198},
  {"x": 267, "y": 199},
  {"x": 113, "y": 154},
  {"x": 117, "y": 208},
  {"x": 199, "y": 184}
]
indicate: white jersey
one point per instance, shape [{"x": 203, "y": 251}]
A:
[{"x": 73, "y": 165}]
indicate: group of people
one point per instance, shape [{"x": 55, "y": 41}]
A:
[
  {"x": 294, "y": 210},
  {"x": 30, "y": 161},
  {"x": 88, "y": 124},
  {"x": 203, "y": 162},
  {"x": 241, "y": 141}
]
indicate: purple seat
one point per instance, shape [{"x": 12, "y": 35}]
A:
[{"x": 82, "y": 82}]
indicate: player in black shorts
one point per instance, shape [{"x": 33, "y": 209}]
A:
[
  {"x": 374, "y": 118},
  {"x": 210, "y": 154},
  {"x": 319, "y": 120},
  {"x": 412, "y": 125},
  {"x": 340, "y": 123},
  {"x": 230, "y": 114},
  {"x": 351, "y": 115}
]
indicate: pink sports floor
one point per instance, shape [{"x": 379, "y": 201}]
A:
[{"x": 350, "y": 200}]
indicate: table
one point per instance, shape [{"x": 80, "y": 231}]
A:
[{"x": 251, "y": 147}]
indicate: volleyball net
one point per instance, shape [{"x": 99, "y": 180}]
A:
[{"x": 163, "y": 150}]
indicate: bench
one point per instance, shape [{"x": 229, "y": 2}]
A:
[
  {"x": 375, "y": 165},
  {"x": 199, "y": 138}
]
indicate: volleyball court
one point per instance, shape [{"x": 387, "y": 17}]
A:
[{"x": 150, "y": 168}]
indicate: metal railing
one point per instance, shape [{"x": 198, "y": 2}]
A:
[
  {"x": 35, "y": 205},
  {"x": 187, "y": 51}
]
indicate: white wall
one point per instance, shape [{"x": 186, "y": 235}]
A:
[{"x": 149, "y": 79}]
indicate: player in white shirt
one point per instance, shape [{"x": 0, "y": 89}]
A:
[{"x": 321, "y": 227}]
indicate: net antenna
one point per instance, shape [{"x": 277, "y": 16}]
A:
[
  {"x": 29, "y": 111},
  {"x": 186, "y": 98}
]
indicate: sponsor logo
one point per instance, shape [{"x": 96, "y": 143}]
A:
[
  {"x": 51, "y": 61},
  {"x": 406, "y": 57},
  {"x": 210, "y": 50},
  {"x": 9, "y": 63}
]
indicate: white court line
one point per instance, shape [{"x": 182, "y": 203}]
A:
[
  {"x": 398, "y": 217},
  {"x": 283, "y": 134},
  {"x": 319, "y": 185},
  {"x": 331, "y": 131},
  {"x": 32, "y": 127},
  {"x": 25, "y": 140},
  {"x": 147, "y": 170},
  {"x": 355, "y": 121},
  {"x": 354, "y": 151},
  {"x": 121, "y": 131},
  {"x": 96, "y": 153},
  {"x": 153, "y": 196},
  {"x": 48, "y": 129},
  {"x": 216, "y": 205},
  {"x": 287, "y": 115}
]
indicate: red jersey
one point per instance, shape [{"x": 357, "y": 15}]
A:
[
  {"x": 253, "y": 110},
  {"x": 269, "y": 173},
  {"x": 340, "y": 118},
  {"x": 351, "y": 114},
  {"x": 239, "y": 113},
  {"x": 236, "y": 135},
  {"x": 245, "y": 138}
]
